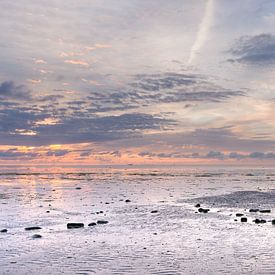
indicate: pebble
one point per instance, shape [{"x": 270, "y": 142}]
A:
[
  {"x": 92, "y": 224},
  {"x": 254, "y": 210},
  {"x": 202, "y": 210},
  {"x": 265, "y": 211},
  {"x": 36, "y": 236},
  {"x": 239, "y": 215},
  {"x": 259, "y": 221},
  {"x": 102, "y": 222},
  {"x": 154, "y": 211},
  {"x": 4, "y": 230},
  {"x": 33, "y": 228},
  {"x": 74, "y": 225},
  {"x": 243, "y": 219}
]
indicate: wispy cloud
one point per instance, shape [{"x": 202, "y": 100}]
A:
[
  {"x": 203, "y": 31},
  {"x": 77, "y": 62}
]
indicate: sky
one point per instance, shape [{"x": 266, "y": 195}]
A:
[{"x": 137, "y": 81}]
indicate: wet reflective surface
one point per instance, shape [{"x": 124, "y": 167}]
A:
[{"x": 173, "y": 239}]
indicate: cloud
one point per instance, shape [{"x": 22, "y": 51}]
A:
[
  {"x": 210, "y": 155},
  {"x": 215, "y": 155},
  {"x": 77, "y": 62},
  {"x": 13, "y": 154},
  {"x": 203, "y": 31},
  {"x": 78, "y": 127},
  {"x": 149, "y": 89},
  {"x": 57, "y": 153},
  {"x": 9, "y": 90},
  {"x": 254, "y": 50}
]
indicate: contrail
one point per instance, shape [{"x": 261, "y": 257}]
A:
[{"x": 203, "y": 31}]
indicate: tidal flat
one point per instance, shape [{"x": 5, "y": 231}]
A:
[{"x": 137, "y": 220}]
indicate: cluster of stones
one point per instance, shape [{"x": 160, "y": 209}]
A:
[{"x": 243, "y": 219}]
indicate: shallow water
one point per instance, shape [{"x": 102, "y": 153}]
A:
[{"x": 174, "y": 240}]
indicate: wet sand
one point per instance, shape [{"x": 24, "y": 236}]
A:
[{"x": 154, "y": 223}]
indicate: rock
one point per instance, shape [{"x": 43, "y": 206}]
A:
[
  {"x": 249, "y": 175},
  {"x": 273, "y": 222},
  {"x": 259, "y": 221},
  {"x": 102, "y": 222},
  {"x": 36, "y": 236},
  {"x": 78, "y": 188},
  {"x": 254, "y": 210},
  {"x": 4, "y": 230},
  {"x": 154, "y": 211},
  {"x": 33, "y": 228},
  {"x": 202, "y": 210},
  {"x": 243, "y": 219},
  {"x": 197, "y": 205},
  {"x": 239, "y": 215},
  {"x": 127, "y": 201},
  {"x": 92, "y": 224},
  {"x": 74, "y": 225},
  {"x": 265, "y": 211}
]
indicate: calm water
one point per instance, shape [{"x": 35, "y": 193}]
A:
[{"x": 174, "y": 240}]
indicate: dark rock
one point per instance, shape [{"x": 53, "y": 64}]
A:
[
  {"x": 254, "y": 210},
  {"x": 273, "y": 222},
  {"x": 154, "y": 211},
  {"x": 92, "y": 224},
  {"x": 33, "y": 228},
  {"x": 259, "y": 221},
  {"x": 239, "y": 215},
  {"x": 78, "y": 188},
  {"x": 265, "y": 211},
  {"x": 127, "y": 201},
  {"x": 243, "y": 219},
  {"x": 4, "y": 230},
  {"x": 36, "y": 236},
  {"x": 197, "y": 205},
  {"x": 102, "y": 222},
  {"x": 202, "y": 210},
  {"x": 249, "y": 175},
  {"x": 74, "y": 225}
]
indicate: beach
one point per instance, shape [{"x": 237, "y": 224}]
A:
[{"x": 152, "y": 221}]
